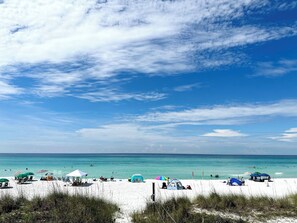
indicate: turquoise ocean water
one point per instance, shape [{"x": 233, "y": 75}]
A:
[{"x": 150, "y": 165}]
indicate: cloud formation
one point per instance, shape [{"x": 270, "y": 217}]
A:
[
  {"x": 7, "y": 90},
  {"x": 123, "y": 132},
  {"x": 187, "y": 87},
  {"x": 289, "y": 135},
  {"x": 108, "y": 95},
  {"x": 224, "y": 113},
  {"x": 63, "y": 46},
  {"x": 224, "y": 133},
  {"x": 276, "y": 69}
]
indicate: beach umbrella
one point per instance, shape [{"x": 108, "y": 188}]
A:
[
  {"x": 21, "y": 175},
  {"x": 161, "y": 178},
  {"x": 42, "y": 171},
  {"x": 4, "y": 180}
]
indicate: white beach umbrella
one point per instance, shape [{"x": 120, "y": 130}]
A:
[{"x": 77, "y": 173}]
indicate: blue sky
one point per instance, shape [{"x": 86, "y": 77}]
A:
[{"x": 187, "y": 76}]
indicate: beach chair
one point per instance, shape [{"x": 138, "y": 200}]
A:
[
  {"x": 103, "y": 179},
  {"x": 23, "y": 180},
  {"x": 4, "y": 184}
]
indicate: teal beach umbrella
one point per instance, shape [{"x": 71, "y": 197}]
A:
[{"x": 21, "y": 176}]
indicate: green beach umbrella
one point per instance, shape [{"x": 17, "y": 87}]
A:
[
  {"x": 21, "y": 175},
  {"x": 29, "y": 173},
  {"x": 4, "y": 180}
]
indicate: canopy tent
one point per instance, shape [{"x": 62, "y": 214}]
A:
[
  {"x": 175, "y": 184},
  {"x": 77, "y": 173},
  {"x": 257, "y": 176},
  {"x": 235, "y": 182},
  {"x": 137, "y": 178},
  {"x": 76, "y": 177}
]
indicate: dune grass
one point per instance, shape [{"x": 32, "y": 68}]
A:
[
  {"x": 176, "y": 210},
  {"x": 241, "y": 205},
  {"x": 218, "y": 208},
  {"x": 56, "y": 207}
]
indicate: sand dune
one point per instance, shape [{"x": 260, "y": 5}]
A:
[{"x": 133, "y": 196}]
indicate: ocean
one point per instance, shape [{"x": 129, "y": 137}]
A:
[{"x": 182, "y": 166}]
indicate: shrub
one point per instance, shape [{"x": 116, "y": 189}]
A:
[{"x": 57, "y": 207}]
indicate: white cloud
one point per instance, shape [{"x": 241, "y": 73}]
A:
[
  {"x": 226, "y": 37},
  {"x": 287, "y": 5},
  {"x": 187, "y": 87},
  {"x": 63, "y": 44},
  {"x": 49, "y": 90},
  {"x": 107, "y": 95},
  {"x": 289, "y": 135},
  {"x": 292, "y": 130},
  {"x": 127, "y": 132},
  {"x": 166, "y": 107},
  {"x": 7, "y": 90},
  {"x": 276, "y": 69},
  {"x": 217, "y": 114},
  {"x": 224, "y": 133},
  {"x": 54, "y": 132}
]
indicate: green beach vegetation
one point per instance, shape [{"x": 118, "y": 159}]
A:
[
  {"x": 56, "y": 207},
  {"x": 218, "y": 208}
]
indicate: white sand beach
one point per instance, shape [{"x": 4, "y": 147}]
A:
[{"x": 133, "y": 196}]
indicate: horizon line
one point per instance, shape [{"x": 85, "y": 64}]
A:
[{"x": 127, "y": 153}]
